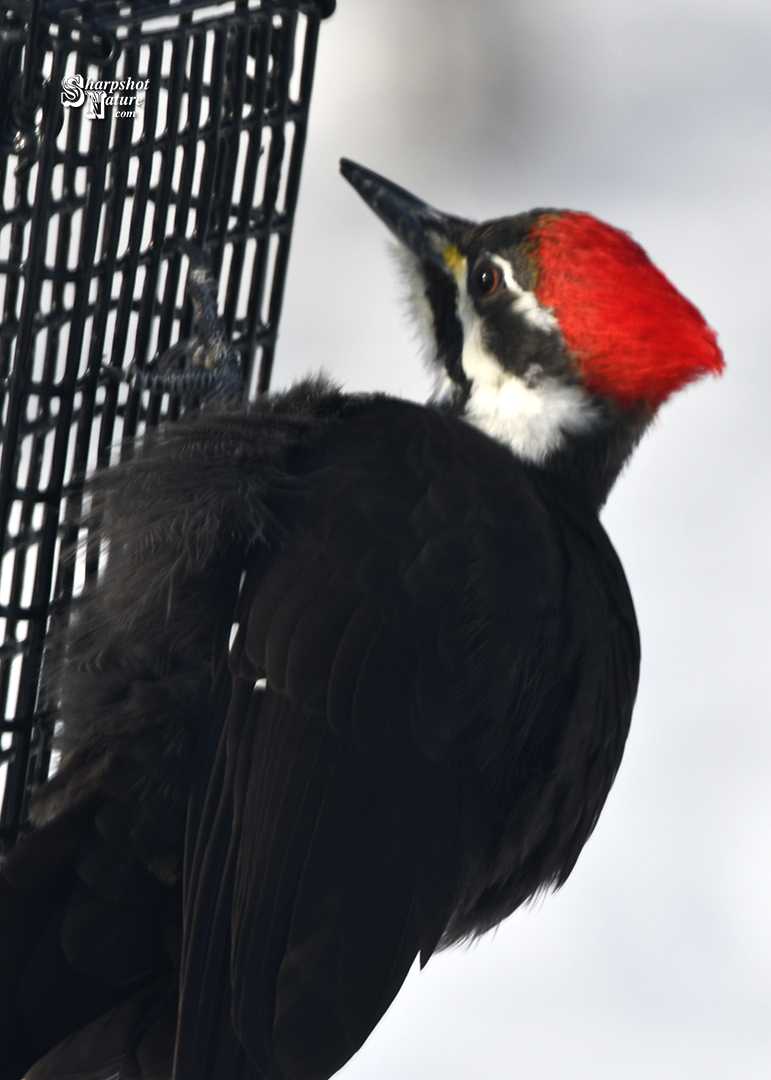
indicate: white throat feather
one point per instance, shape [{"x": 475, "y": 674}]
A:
[{"x": 532, "y": 415}]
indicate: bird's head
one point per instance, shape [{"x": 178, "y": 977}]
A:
[{"x": 551, "y": 331}]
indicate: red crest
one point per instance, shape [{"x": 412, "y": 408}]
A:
[{"x": 632, "y": 334}]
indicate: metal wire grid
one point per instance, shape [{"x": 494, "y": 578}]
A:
[{"x": 215, "y": 154}]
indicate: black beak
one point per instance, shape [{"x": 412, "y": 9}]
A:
[{"x": 425, "y": 231}]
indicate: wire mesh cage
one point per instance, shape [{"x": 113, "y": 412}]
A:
[{"x": 123, "y": 124}]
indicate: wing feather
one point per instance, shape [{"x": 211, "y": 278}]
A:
[{"x": 407, "y": 776}]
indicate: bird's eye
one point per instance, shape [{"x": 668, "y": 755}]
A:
[{"x": 487, "y": 278}]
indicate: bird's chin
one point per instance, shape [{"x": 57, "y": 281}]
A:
[{"x": 416, "y": 304}]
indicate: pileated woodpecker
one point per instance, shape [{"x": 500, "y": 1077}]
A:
[{"x": 356, "y": 680}]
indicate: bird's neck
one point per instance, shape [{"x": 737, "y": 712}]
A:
[
  {"x": 589, "y": 463},
  {"x": 555, "y": 426}
]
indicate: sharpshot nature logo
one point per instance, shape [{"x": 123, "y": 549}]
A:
[{"x": 126, "y": 95}]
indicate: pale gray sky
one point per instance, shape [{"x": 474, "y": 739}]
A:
[{"x": 655, "y": 959}]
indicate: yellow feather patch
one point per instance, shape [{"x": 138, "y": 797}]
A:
[{"x": 455, "y": 261}]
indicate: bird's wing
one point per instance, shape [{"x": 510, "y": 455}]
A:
[{"x": 337, "y": 820}]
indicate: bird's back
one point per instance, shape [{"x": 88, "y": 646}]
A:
[{"x": 422, "y": 712}]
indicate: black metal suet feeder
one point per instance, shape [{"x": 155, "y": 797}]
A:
[{"x": 123, "y": 124}]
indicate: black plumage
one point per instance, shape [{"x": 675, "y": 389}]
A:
[
  {"x": 354, "y": 684},
  {"x": 451, "y": 660}
]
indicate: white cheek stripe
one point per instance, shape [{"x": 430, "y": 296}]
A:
[
  {"x": 530, "y": 417},
  {"x": 532, "y": 420},
  {"x": 526, "y": 303},
  {"x": 532, "y": 312}
]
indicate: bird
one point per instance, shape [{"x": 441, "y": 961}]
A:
[{"x": 356, "y": 677}]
